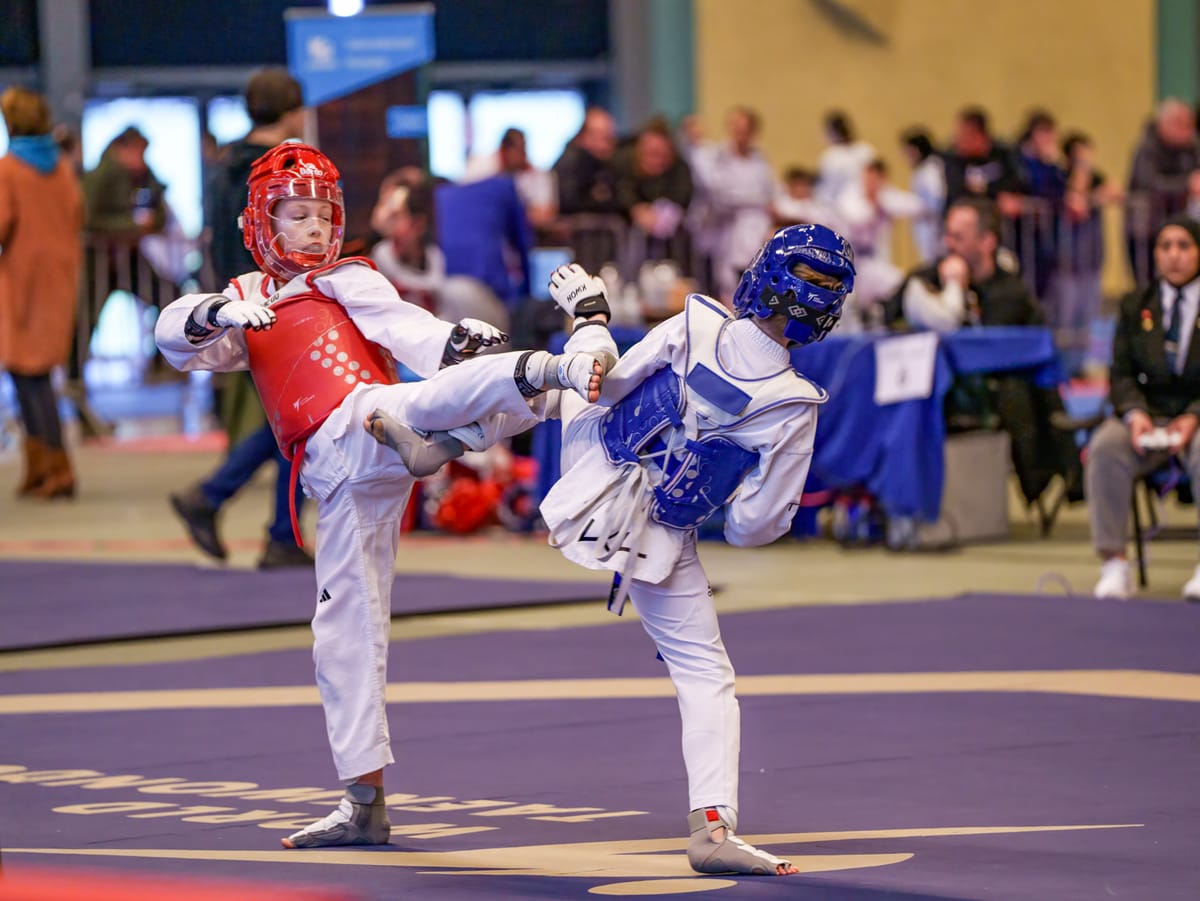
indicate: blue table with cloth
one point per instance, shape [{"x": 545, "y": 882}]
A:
[{"x": 894, "y": 451}]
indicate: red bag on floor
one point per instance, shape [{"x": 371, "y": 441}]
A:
[{"x": 467, "y": 505}]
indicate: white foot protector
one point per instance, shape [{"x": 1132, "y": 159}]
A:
[
  {"x": 580, "y": 372},
  {"x": 731, "y": 854},
  {"x": 361, "y": 819}
]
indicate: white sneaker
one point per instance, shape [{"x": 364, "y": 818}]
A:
[
  {"x": 1191, "y": 591},
  {"x": 1115, "y": 581}
]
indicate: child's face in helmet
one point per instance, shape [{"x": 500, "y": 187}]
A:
[{"x": 302, "y": 225}]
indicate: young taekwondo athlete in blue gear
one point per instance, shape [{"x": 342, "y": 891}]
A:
[
  {"x": 704, "y": 413},
  {"x": 772, "y": 283}
]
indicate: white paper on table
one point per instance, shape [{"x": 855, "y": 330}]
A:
[{"x": 904, "y": 367}]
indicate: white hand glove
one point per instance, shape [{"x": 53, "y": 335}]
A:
[
  {"x": 577, "y": 292},
  {"x": 241, "y": 314},
  {"x": 470, "y": 335}
]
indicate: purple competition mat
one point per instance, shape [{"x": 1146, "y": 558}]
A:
[
  {"x": 55, "y": 603},
  {"x": 1070, "y": 781}
]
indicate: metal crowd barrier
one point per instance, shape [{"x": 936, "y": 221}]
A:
[
  {"x": 1060, "y": 257},
  {"x": 1145, "y": 212},
  {"x": 113, "y": 264},
  {"x": 597, "y": 239}
]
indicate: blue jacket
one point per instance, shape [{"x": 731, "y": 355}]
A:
[{"x": 481, "y": 227}]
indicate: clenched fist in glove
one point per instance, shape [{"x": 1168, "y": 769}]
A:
[
  {"x": 238, "y": 314},
  {"x": 578, "y": 293},
  {"x": 468, "y": 337}
]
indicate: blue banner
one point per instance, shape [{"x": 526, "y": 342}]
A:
[
  {"x": 407, "y": 122},
  {"x": 332, "y": 56}
]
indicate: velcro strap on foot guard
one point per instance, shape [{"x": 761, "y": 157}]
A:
[
  {"x": 731, "y": 855},
  {"x": 525, "y": 386}
]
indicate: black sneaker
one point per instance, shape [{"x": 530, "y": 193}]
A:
[
  {"x": 278, "y": 554},
  {"x": 200, "y": 517}
]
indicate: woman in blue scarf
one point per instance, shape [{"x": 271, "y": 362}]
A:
[{"x": 41, "y": 214}]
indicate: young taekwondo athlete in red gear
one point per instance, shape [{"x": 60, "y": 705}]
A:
[{"x": 321, "y": 337}]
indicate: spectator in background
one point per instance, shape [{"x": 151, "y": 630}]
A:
[
  {"x": 797, "y": 203},
  {"x": 842, "y": 162},
  {"x": 928, "y": 182},
  {"x": 972, "y": 283},
  {"x": 123, "y": 203},
  {"x": 735, "y": 188},
  {"x": 535, "y": 187},
  {"x": 970, "y": 286},
  {"x": 866, "y": 209},
  {"x": 123, "y": 198},
  {"x": 483, "y": 232},
  {"x": 654, "y": 189},
  {"x": 587, "y": 192},
  {"x": 587, "y": 177},
  {"x": 1193, "y": 201},
  {"x": 404, "y": 255},
  {"x": 41, "y": 214},
  {"x": 275, "y": 103},
  {"x": 1164, "y": 159},
  {"x": 1035, "y": 238},
  {"x": 979, "y": 166},
  {"x": 1154, "y": 384},
  {"x": 1081, "y": 251},
  {"x": 68, "y": 143}
]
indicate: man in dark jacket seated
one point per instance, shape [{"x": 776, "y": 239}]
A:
[
  {"x": 1155, "y": 393},
  {"x": 975, "y": 284}
]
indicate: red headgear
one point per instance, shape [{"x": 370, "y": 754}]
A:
[{"x": 290, "y": 170}]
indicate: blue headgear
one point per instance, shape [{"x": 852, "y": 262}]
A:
[{"x": 771, "y": 284}]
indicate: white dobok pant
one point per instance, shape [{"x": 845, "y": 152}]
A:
[
  {"x": 680, "y": 617},
  {"x": 361, "y": 488}
]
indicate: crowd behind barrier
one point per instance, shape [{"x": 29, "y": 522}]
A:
[{"x": 627, "y": 207}]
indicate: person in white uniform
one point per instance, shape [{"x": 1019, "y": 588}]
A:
[
  {"x": 704, "y": 414},
  {"x": 321, "y": 338}
]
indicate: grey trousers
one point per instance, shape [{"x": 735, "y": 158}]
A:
[{"x": 1109, "y": 473}]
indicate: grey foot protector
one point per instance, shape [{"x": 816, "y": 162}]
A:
[
  {"x": 423, "y": 455},
  {"x": 360, "y": 819},
  {"x": 732, "y": 855}
]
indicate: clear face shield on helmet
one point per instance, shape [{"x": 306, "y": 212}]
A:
[
  {"x": 303, "y": 226},
  {"x": 295, "y": 218}
]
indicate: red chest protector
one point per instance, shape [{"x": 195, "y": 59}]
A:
[{"x": 306, "y": 364}]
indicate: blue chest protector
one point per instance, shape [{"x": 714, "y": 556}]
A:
[{"x": 675, "y": 426}]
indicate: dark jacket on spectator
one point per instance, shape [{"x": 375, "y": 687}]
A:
[
  {"x": 1140, "y": 378},
  {"x": 224, "y": 200},
  {"x": 1003, "y": 298},
  {"x": 1039, "y": 451},
  {"x": 1000, "y": 170},
  {"x": 111, "y": 193},
  {"x": 633, "y": 188},
  {"x": 1157, "y": 167},
  {"x": 586, "y": 184}
]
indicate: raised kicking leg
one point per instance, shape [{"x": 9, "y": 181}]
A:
[{"x": 440, "y": 419}]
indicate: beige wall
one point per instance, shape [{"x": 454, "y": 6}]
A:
[{"x": 1090, "y": 62}]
